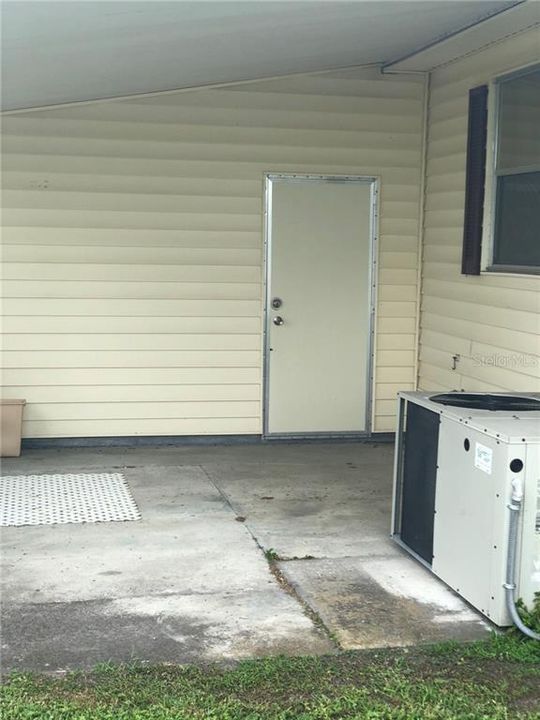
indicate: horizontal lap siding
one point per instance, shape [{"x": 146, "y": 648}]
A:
[
  {"x": 132, "y": 247},
  {"x": 491, "y": 321}
]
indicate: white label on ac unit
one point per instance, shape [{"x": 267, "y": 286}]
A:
[{"x": 483, "y": 458}]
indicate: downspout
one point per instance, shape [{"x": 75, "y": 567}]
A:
[
  {"x": 421, "y": 207},
  {"x": 421, "y": 223},
  {"x": 514, "y": 507}
]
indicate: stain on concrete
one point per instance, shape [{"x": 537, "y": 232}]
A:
[
  {"x": 68, "y": 636},
  {"x": 237, "y": 625},
  {"x": 362, "y": 612},
  {"x": 169, "y": 628}
]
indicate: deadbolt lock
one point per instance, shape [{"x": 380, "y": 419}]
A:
[{"x": 277, "y": 303}]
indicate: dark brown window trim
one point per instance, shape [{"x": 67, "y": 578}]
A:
[{"x": 475, "y": 181}]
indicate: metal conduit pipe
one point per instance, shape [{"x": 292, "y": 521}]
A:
[{"x": 510, "y": 585}]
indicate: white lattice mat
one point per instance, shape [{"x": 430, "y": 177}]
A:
[{"x": 52, "y": 499}]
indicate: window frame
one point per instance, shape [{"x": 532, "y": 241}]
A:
[{"x": 492, "y": 175}]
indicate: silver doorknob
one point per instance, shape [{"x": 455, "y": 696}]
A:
[{"x": 278, "y": 320}]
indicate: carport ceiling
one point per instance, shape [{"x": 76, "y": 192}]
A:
[{"x": 58, "y": 52}]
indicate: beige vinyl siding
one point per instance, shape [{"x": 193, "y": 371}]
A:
[
  {"x": 491, "y": 321},
  {"x": 133, "y": 252}
]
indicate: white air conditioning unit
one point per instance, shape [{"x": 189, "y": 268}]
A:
[{"x": 467, "y": 466}]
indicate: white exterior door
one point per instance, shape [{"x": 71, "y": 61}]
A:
[{"x": 318, "y": 310}]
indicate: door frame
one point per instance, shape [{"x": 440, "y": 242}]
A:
[{"x": 373, "y": 182}]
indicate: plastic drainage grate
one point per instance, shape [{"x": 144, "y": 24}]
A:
[{"x": 60, "y": 499}]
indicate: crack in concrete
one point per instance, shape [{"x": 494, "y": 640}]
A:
[
  {"x": 272, "y": 561},
  {"x": 308, "y": 610},
  {"x": 295, "y": 558}
]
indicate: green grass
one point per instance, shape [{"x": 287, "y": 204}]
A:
[{"x": 498, "y": 679}]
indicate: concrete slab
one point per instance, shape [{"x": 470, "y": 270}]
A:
[
  {"x": 189, "y": 582},
  {"x": 317, "y": 509},
  {"x": 188, "y": 539},
  {"x": 382, "y": 602},
  {"x": 260, "y": 454},
  {"x": 158, "y": 628}
]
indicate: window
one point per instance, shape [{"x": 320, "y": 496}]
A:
[{"x": 516, "y": 213}]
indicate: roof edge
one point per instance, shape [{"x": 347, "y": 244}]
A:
[
  {"x": 186, "y": 89},
  {"x": 422, "y": 59}
]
